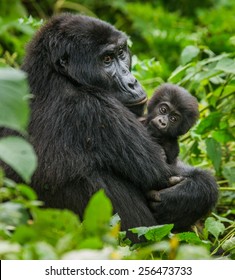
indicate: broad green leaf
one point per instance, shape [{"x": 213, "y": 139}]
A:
[
  {"x": 226, "y": 65},
  {"x": 229, "y": 172},
  {"x": 214, "y": 152},
  {"x": 19, "y": 155},
  {"x": 214, "y": 227},
  {"x": 192, "y": 252},
  {"x": 206, "y": 75},
  {"x": 39, "y": 251},
  {"x": 93, "y": 242},
  {"x": 14, "y": 110},
  {"x": 214, "y": 59},
  {"x": 97, "y": 214},
  {"x": 223, "y": 219},
  {"x": 229, "y": 244},
  {"x": 13, "y": 214},
  {"x": 25, "y": 234},
  {"x": 222, "y": 136},
  {"x": 155, "y": 233},
  {"x": 189, "y": 53},
  {"x": 49, "y": 225},
  {"x": 178, "y": 74},
  {"x": 209, "y": 123},
  {"x": 27, "y": 192},
  {"x": 115, "y": 219},
  {"x": 189, "y": 237},
  {"x": 8, "y": 247}
]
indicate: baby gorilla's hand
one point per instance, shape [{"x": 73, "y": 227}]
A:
[{"x": 174, "y": 180}]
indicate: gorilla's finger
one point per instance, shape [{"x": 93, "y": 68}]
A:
[
  {"x": 175, "y": 180},
  {"x": 154, "y": 205},
  {"x": 154, "y": 196}
]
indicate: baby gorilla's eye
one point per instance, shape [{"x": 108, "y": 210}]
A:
[
  {"x": 163, "y": 109},
  {"x": 173, "y": 119}
]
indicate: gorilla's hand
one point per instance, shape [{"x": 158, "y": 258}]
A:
[
  {"x": 193, "y": 194},
  {"x": 175, "y": 205}
]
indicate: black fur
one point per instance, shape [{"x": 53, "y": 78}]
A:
[{"x": 86, "y": 139}]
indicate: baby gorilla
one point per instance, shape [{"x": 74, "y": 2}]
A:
[{"x": 172, "y": 111}]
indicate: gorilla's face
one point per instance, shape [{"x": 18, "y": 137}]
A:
[
  {"x": 92, "y": 52},
  {"x": 115, "y": 64}
]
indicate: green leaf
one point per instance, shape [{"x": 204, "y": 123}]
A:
[
  {"x": 226, "y": 65},
  {"x": 97, "y": 214},
  {"x": 14, "y": 110},
  {"x": 229, "y": 172},
  {"x": 27, "y": 192},
  {"x": 192, "y": 252},
  {"x": 214, "y": 227},
  {"x": 189, "y": 237},
  {"x": 19, "y": 155},
  {"x": 155, "y": 233},
  {"x": 39, "y": 251},
  {"x": 188, "y": 54},
  {"x": 7, "y": 247},
  {"x": 229, "y": 244},
  {"x": 209, "y": 123},
  {"x": 93, "y": 242},
  {"x": 202, "y": 76},
  {"x": 13, "y": 214},
  {"x": 222, "y": 136},
  {"x": 178, "y": 74},
  {"x": 50, "y": 225},
  {"x": 214, "y": 152}
]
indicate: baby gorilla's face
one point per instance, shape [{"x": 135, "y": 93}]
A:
[{"x": 165, "y": 119}]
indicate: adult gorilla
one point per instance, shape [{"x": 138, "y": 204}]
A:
[{"x": 86, "y": 136}]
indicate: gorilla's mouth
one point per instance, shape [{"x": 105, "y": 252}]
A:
[{"x": 141, "y": 102}]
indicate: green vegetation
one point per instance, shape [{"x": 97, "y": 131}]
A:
[{"x": 191, "y": 46}]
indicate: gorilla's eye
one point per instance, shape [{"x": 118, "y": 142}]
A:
[
  {"x": 108, "y": 59},
  {"x": 173, "y": 119},
  {"x": 163, "y": 109}
]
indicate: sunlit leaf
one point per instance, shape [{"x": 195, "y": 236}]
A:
[
  {"x": 215, "y": 227},
  {"x": 222, "y": 136},
  {"x": 13, "y": 214},
  {"x": 229, "y": 244},
  {"x": 19, "y": 155},
  {"x": 98, "y": 213},
  {"x": 192, "y": 252},
  {"x": 209, "y": 123},
  {"x": 155, "y": 233},
  {"x": 14, "y": 110},
  {"x": 189, "y": 53},
  {"x": 214, "y": 152},
  {"x": 49, "y": 225},
  {"x": 39, "y": 251},
  {"x": 229, "y": 172},
  {"x": 226, "y": 65},
  {"x": 178, "y": 74},
  {"x": 189, "y": 237}
]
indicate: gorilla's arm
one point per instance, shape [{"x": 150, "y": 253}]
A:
[
  {"x": 88, "y": 140},
  {"x": 187, "y": 201}
]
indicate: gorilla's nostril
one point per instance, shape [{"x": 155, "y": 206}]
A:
[
  {"x": 131, "y": 86},
  {"x": 162, "y": 123}
]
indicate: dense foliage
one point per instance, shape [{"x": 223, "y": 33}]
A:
[{"x": 192, "y": 47}]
